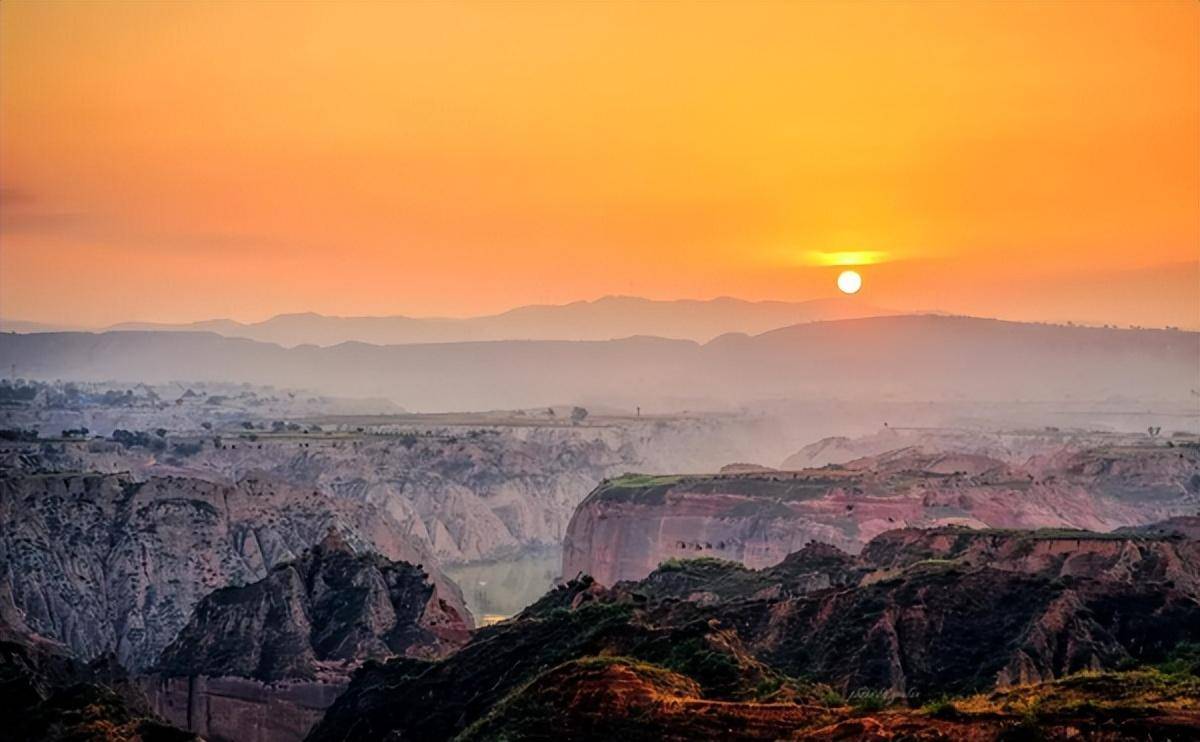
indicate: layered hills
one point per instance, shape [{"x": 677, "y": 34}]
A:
[
  {"x": 603, "y": 319},
  {"x": 900, "y": 357}
]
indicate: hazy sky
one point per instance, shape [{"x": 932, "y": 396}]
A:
[{"x": 173, "y": 161}]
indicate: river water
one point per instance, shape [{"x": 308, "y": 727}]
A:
[{"x": 498, "y": 589}]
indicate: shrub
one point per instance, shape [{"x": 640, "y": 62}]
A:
[
  {"x": 941, "y": 708},
  {"x": 832, "y": 698},
  {"x": 1184, "y": 659},
  {"x": 186, "y": 449},
  {"x": 132, "y": 438},
  {"x": 16, "y": 434},
  {"x": 869, "y": 699}
]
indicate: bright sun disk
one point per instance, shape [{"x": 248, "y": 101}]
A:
[{"x": 849, "y": 282}]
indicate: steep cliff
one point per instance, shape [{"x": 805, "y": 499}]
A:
[
  {"x": 105, "y": 563},
  {"x": 628, "y": 525}
]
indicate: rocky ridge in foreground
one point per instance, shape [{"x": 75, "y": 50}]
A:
[
  {"x": 47, "y": 695},
  {"x": 826, "y": 645}
]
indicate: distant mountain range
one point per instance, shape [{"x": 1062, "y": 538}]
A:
[
  {"x": 607, "y": 318},
  {"x": 882, "y": 358}
]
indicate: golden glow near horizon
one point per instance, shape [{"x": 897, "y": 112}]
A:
[
  {"x": 850, "y": 257},
  {"x": 849, "y": 282},
  {"x": 177, "y": 161}
]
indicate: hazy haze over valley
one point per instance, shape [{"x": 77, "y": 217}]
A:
[{"x": 817, "y": 371}]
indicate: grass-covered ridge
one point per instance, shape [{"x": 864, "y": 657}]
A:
[
  {"x": 642, "y": 489},
  {"x": 771, "y": 488}
]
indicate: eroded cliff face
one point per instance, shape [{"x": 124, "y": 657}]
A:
[
  {"x": 467, "y": 493},
  {"x": 627, "y": 526},
  {"x": 260, "y": 662},
  {"x": 106, "y": 563},
  {"x": 327, "y": 610}
]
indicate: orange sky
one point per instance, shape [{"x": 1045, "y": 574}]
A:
[{"x": 175, "y": 161}]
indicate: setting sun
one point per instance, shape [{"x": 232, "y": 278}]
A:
[
  {"x": 465, "y": 158},
  {"x": 849, "y": 282}
]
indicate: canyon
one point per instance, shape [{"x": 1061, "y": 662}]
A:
[
  {"x": 482, "y": 488},
  {"x": 255, "y": 571}
]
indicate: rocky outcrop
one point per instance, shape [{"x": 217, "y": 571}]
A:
[
  {"x": 107, "y": 563},
  {"x": 323, "y": 614},
  {"x": 1157, "y": 553},
  {"x": 260, "y": 663},
  {"x": 712, "y": 649},
  {"x": 937, "y": 630},
  {"x": 628, "y": 525}
]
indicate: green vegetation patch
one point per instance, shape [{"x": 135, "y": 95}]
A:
[
  {"x": 703, "y": 566},
  {"x": 652, "y": 489},
  {"x": 640, "y": 489},
  {"x": 1131, "y": 693},
  {"x": 769, "y": 487}
]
